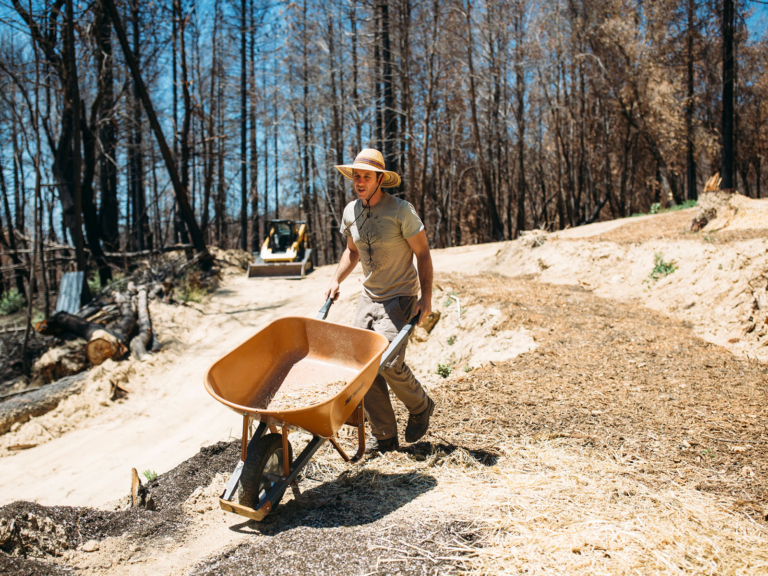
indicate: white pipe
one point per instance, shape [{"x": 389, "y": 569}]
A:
[{"x": 457, "y": 304}]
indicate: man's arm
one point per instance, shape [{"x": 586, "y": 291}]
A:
[
  {"x": 420, "y": 247},
  {"x": 349, "y": 260}
]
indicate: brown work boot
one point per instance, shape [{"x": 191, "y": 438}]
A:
[
  {"x": 419, "y": 423},
  {"x": 374, "y": 445}
]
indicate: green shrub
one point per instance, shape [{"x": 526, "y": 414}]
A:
[
  {"x": 661, "y": 268},
  {"x": 94, "y": 283},
  {"x": 444, "y": 370},
  {"x": 149, "y": 475},
  {"x": 451, "y": 340},
  {"x": 191, "y": 294},
  {"x": 657, "y": 209},
  {"x": 467, "y": 368},
  {"x": 11, "y": 301}
]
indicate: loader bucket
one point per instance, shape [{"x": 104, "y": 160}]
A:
[{"x": 298, "y": 269}]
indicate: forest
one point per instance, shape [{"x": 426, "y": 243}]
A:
[{"x": 131, "y": 128}]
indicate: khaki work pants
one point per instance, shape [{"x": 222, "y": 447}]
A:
[{"x": 388, "y": 318}]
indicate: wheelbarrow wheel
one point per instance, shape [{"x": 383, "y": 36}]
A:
[{"x": 262, "y": 469}]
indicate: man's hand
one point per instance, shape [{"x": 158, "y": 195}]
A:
[
  {"x": 333, "y": 290},
  {"x": 425, "y": 307}
]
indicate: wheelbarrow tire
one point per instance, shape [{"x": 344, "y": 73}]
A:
[{"x": 266, "y": 458}]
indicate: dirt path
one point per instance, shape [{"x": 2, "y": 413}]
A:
[{"x": 169, "y": 416}]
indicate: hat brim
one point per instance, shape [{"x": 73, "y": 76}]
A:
[{"x": 391, "y": 179}]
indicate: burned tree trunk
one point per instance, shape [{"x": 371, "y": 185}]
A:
[
  {"x": 727, "y": 161},
  {"x": 179, "y": 190},
  {"x": 38, "y": 401},
  {"x": 108, "y": 216}
]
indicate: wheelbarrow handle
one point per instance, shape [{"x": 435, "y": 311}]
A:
[
  {"x": 323, "y": 313},
  {"x": 399, "y": 341}
]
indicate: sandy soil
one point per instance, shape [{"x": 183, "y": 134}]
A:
[{"x": 593, "y": 421}]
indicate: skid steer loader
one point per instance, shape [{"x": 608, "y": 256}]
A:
[{"x": 286, "y": 252}]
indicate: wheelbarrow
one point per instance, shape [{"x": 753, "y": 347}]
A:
[{"x": 289, "y": 354}]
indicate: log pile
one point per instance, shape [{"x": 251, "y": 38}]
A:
[{"x": 125, "y": 324}]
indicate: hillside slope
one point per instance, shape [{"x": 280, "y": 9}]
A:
[{"x": 590, "y": 420}]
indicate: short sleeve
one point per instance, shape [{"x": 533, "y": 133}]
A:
[
  {"x": 410, "y": 223},
  {"x": 346, "y": 221}
]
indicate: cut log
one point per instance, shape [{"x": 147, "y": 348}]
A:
[
  {"x": 103, "y": 343},
  {"x": 38, "y": 401},
  {"x": 144, "y": 338},
  {"x": 65, "y": 322},
  {"x": 102, "y": 346},
  {"x": 123, "y": 328}
]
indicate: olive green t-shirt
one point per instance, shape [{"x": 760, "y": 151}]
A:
[{"x": 380, "y": 234}]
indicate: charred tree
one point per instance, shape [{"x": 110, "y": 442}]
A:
[
  {"x": 497, "y": 229},
  {"x": 107, "y": 131},
  {"x": 254, "y": 191},
  {"x": 520, "y": 116},
  {"x": 727, "y": 161},
  {"x": 690, "y": 160},
  {"x": 179, "y": 190},
  {"x": 243, "y": 134},
  {"x": 10, "y": 243}
]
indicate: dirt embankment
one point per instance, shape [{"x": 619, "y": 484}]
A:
[
  {"x": 715, "y": 279},
  {"x": 589, "y": 421}
]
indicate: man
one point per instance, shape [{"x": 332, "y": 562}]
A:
[{"x": 383, "y": 234}]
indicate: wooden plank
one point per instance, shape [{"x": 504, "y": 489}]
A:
[{"x": 257, "y": 515}]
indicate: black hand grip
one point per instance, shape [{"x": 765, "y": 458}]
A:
[{"x": 323, "y": 313}]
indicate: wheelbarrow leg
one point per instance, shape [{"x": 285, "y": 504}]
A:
[
  {"x": 244, "y": 444},
  {"x": 357, "y": 419},
  {"x": 339, "y": 449},
  {"x": 287, "y": 464},
  {"x": 360, "y": 432}
]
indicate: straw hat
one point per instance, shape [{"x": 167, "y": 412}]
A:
[{"x": 370, "y": 159}]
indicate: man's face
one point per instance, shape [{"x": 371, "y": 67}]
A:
[{"x": 366, "y": 182}]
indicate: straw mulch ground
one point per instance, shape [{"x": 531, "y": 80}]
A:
[
  {"x": 619, "y": 379},
  {"x": 621, "y": 445}
]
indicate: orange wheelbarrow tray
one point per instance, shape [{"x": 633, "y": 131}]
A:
[{"x": 289, "y": 354}]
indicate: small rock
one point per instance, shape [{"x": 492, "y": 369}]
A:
[
  {"x": 16, "y": 426},
  {"x": 419, "y": 334},
  {"x": 90, "y": 546}
]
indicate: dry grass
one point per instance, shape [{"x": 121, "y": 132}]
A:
[
  {"x": 553, "y": 509},
  {"x": 547, "y": 507}
]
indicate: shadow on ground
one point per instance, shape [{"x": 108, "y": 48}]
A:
[
  {"x": 424, "y": 450},
  {"x": 352, "y": 499}
]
